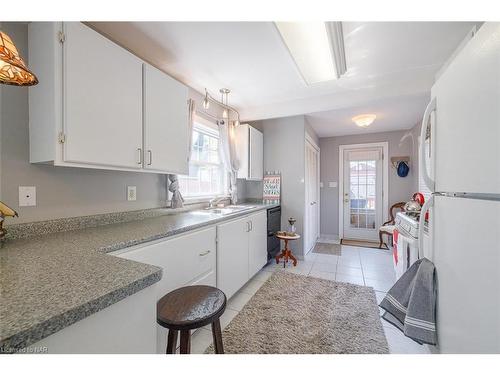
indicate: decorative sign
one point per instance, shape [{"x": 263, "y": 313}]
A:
[{"x": 272, "y": 188}]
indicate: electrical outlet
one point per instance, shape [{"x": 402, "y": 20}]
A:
[
  {"x": 332, "y": 184},
  {"x": 27, "y": 196},
  {"x": 131, "y": 193}
]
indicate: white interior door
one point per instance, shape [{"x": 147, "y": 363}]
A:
[
  {"x": 362, "y": 193},
  {"x": 312, "y": 197}
]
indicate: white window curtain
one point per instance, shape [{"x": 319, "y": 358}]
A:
[
  {"x": 173, "y": 186},
  {"x": 227, "y": 138}
]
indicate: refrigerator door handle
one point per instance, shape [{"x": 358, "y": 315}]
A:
[
  {"x": 427, "y": 204},
  {"x": 431, "y": 107}
]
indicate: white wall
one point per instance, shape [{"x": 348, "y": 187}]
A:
[
  {"x": 284, "y": 152},
  {"x": 399, "y": 189}
]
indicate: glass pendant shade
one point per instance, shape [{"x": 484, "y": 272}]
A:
[
  {"x": 13, "y": 70},
  {"x": 206, "y": 103}
]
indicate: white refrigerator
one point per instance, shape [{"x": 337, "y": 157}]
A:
[{"x": 464, "y": 211}]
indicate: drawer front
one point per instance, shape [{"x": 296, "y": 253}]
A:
[{"x": 184, "y": 259}]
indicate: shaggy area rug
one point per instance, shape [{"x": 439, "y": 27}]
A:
[
  {"x": 327, "y": 248},
  {"x": 295, "y": 314}
]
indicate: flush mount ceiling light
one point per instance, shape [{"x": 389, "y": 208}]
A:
[
  {"x": 364, "y": 120},
  {"x": 316, "y": 47},
  {"x": 13, "y": 70}
]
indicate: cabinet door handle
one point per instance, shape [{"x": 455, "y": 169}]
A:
[
  {"x": 251, "y": 225},
  {"x": 150, "y": 153},
  {"x": 140, "y": 156},
  {"x": 248, "y": 226},
  {"x": 204, "y": 253}
]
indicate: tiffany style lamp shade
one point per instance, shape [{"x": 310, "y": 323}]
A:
[{"x": 13, "y": 70}]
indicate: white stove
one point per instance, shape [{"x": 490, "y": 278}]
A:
[{"x": 405, "y": 251}]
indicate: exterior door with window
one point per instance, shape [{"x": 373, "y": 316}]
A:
[{"x": 362, "y": 193}]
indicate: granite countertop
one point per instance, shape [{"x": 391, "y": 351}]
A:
[{"x": 51, "y": 281}]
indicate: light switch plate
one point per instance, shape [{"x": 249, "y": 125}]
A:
[
  {"x": 320, "y": 184},
  {"x": 131, "y": 193},
  {"x": 332, "y": 184},
  {"x": 27, "y": 196}
]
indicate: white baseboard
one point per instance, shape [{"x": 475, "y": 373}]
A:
[{"x": 329, "y": 238}]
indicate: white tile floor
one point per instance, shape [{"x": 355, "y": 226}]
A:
[{"x": 357, "y": 265}]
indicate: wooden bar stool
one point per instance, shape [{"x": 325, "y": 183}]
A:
[{"x": 189, "y": 308}]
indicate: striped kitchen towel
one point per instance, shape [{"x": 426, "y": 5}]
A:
[{"x": 410, "y": 304}]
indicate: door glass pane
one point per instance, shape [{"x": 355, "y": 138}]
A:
[
  {"x": 370, "y": 221},
  {"x": 354, "y": 220},
  {"x": 362, "y": 193},
  {"x": 362, "y": 221}
]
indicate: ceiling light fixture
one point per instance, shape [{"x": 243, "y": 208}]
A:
[
  {"x": 227, "y": 111},
  {"x": 364, "y": 120},
  {"x": 13, "y": 70},
  {"x": 316, "y": 47}
]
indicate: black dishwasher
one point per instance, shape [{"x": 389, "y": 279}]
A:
[{"x": 273, "y": 225}]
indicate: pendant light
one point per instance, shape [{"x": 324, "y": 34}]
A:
[
  {"x": 206, "y": 101},
  {"x": 13, "y": 70},
  {"x": 224, "y": 94}
]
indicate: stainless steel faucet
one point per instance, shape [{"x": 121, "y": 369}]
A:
[{"x": 215, "y": 201}]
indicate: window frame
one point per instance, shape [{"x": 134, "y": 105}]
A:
[{"x": 209, "y": 128}]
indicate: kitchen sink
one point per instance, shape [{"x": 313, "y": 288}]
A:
[{"x": 228, "y": 210}]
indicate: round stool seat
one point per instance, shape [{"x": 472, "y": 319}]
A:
[{"x": 190, "y": 307}]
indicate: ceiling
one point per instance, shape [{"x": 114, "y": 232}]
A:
[{"x": 390, "y": 68}]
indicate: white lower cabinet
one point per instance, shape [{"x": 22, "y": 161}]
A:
[
  {"x": 126, "y": 327},
  {"x": 257, "y": 243},
  {"x": 232, "y": 255},
  {"x": 241, "y": 251},
  {"x": 186, "y": 260},
  {"x": 236, "y": 249}
]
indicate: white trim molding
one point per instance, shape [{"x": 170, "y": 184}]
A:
[{"x": 385, "y": 179}]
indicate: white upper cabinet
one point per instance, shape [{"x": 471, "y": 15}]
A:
[
  {"x": 95, "y": 107},
  {"x": 166, "y": 134},
  {"x": 256, "y": 155},
  {"x": 102, "y": 100},
  {"x": 250, "y": 151}
]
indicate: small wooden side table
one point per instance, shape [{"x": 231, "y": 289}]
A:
[{"x": 286, "y": 252}]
